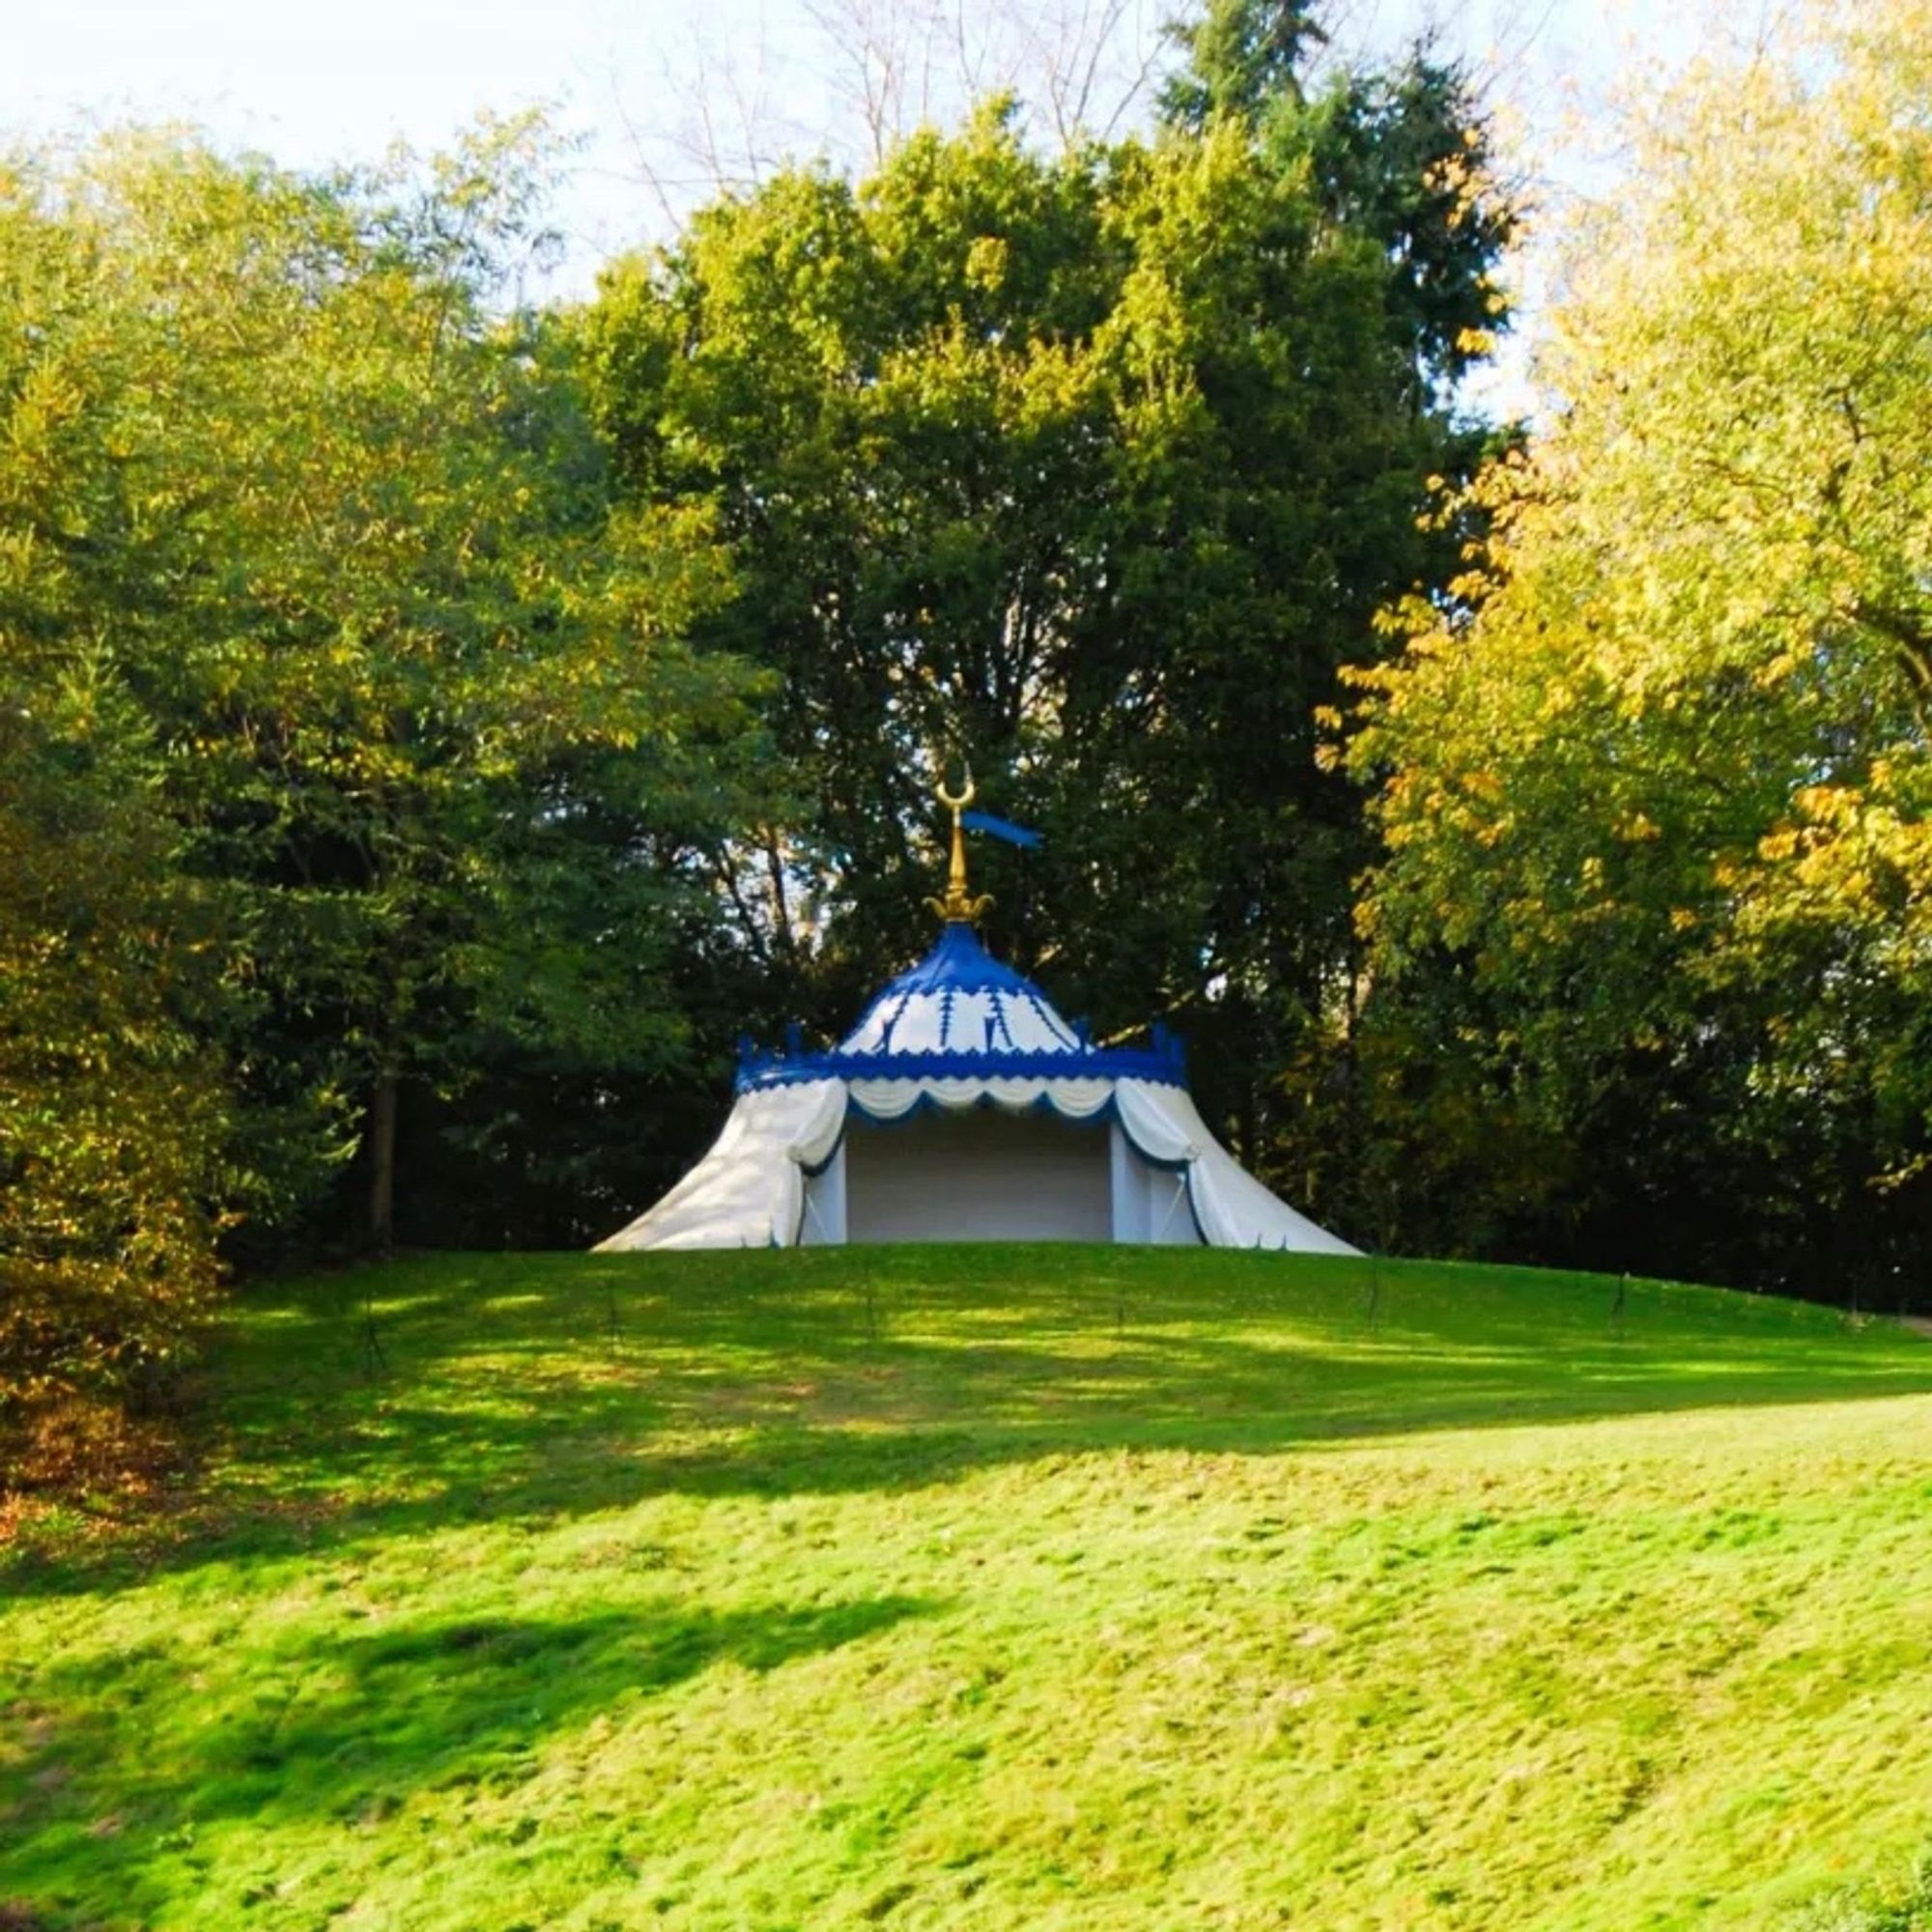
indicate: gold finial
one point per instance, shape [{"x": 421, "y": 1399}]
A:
[{"x": 958, "y": 906}]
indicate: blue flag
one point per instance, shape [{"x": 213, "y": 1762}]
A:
[{"x": 1000, "y": 828}]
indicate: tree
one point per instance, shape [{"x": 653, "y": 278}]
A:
[
  {"x": 1655, "y": 782},
  {"x": 113, "y": 1117},
  {"x": 369, "y": 590},
  {"x": 113, "y": 1121},
  {"x": 1244, "y": 58},
  {"x": 352, "y": 741},
  {"x": 1088, "y": 470}
]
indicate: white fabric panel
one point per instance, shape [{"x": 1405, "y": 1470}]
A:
[
  {"x": 866, "y": 1035},
  {"x": 991, "y": 1020},
  {"x": 976, "y": 1177},
  {"x": 1032, "y": 1026},
  {"x": 1151, "y": 1204},
  {"x": 1124, "y": 1169},
  {"x": 918, "y": 1026},
  {"x": 966, "y": 1022},
  {"x": 749, "y": 1191},
  {"x": 891, "y": 1099},
  {"x": 1234, "y": 1209},
  {"x": 822, "y": 1225}
]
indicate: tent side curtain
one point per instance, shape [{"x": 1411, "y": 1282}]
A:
[
  {"x": 748, "y": 1190},
  {"x": 1232, "y": 1208}
]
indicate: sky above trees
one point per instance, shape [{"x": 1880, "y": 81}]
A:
[{"x": 662, "y": 106}]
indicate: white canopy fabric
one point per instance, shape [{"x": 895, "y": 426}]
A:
[{"x": 748, "y": 1190}]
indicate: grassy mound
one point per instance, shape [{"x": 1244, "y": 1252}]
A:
[{"x": 995, "y": 1588}]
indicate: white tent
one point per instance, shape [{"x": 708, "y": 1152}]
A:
[{"x": 963, "y": 1107}]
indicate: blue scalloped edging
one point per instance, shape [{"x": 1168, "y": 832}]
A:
[{"x": 1163, "y": 1061}]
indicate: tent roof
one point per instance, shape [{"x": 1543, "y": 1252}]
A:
[{"x": 962, "y": 1014}]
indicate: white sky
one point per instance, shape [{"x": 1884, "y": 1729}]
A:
[{"x": 311, "y": 85}]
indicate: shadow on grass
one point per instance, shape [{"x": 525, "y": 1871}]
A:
[
  {"x": 367, "y": 1719},
  {"x": 527, "y": 1389}
]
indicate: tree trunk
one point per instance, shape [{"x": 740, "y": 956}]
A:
[
  {"x": 382, "y": 1161},
  {"x": 780, "y": 909}
]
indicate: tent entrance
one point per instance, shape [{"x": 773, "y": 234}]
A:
[{"x": 983, "y": 1176}]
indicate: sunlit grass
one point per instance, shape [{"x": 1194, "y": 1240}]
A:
[{"x": 991, "y": 1587}]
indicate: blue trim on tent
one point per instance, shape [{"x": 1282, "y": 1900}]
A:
[{"x": 1163, "y": 1063}]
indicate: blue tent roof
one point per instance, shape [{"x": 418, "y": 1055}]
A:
[
  {"x": 958, "y": 963},
  {"x": 962, "y": 1014}
]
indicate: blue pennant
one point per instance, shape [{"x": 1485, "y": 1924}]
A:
[{"x": 1000, "y": 828}]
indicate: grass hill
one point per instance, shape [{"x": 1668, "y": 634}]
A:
[{"x": 1050, "y": 1588}]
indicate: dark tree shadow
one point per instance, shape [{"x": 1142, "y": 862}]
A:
[{"x": 435, "y": 1705}]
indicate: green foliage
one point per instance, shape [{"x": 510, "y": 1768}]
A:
[
  {"x": 319, "y": 640},
  {"x": 112, "y": 1120},
  {"x": 990, "y": 1587},
  {"x": 1092, "y": 471},
  {"x": 1657, "y": 780},
  {"x": 403, "y": 625},
  {"x": 1243, "y": 56}
]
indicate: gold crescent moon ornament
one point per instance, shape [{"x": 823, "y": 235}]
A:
[{"x": 958, "y": 907}]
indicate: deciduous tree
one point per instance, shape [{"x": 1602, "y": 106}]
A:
[
  {"x": 352, "y": 741},
  {"x": 1090, "y": 470},
  {"x": 1656, "y": 781}
]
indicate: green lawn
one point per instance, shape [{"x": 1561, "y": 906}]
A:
[{"x": 998, "y": 1587}]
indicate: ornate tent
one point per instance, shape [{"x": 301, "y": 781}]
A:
[{"x": 963, "y": 1107}]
